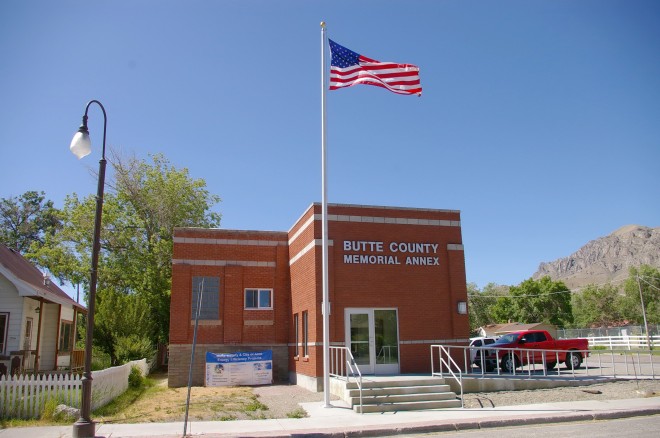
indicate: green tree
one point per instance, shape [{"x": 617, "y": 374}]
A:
[
  {"x": 502, "y": 310},
  {"x": 597, "y": 305},
  {"x": 27, "y": 220},
  {"x": 142, "y": 205},
  {"x": 647, "y": 279},
  {"x": 541, "y": 300},
  {"x": 122, "y": 320},
  {"x": 482, "y": 304},
  {"x": 161, "y": 198}
]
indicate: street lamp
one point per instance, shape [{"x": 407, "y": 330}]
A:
[{"x": 81, "y": 146}]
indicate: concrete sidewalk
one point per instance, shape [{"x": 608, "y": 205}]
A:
[{"x": 340, "y": 421}]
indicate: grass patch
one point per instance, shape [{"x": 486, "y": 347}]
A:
[
  {"x": 297, "y": 413},
  {"x": 255, "y": 405},
  {"x": 132, "y": 394}
]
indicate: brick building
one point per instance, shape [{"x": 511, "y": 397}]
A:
[{"x": 396, "y": 285}]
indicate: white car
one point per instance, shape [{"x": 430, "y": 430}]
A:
[{"x": 476, "y": 353}]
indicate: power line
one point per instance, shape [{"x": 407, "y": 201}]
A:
[{"x": 576, "y": 290}]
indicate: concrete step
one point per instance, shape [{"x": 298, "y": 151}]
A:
[
  {"x": 409, "y": 406},
  {"x": 397, "y": 390},
  {"x": 403, "y": 398},
  {"x": 431, "y": 381}
]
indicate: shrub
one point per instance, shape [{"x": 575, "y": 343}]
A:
[
  {"x": 133, "y": 347},
  {"x": 135, "y": 378},
  {"x": 297, "y": 413}
]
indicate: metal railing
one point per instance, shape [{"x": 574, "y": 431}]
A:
[
  {"x": 341, "y": 363},
  {"x": 448, "y": 363},
  {"x": 615, "y": 363}
]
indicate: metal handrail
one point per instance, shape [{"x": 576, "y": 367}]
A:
[
  {"x": 447, "y": 363},
  {"x": 342, "y": 363},
  {"x": 621, "y": 362}
]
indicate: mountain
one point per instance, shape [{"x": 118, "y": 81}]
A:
[{"x": 606, "y": 259}]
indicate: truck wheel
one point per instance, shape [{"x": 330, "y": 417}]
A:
[
  {"x": 550, "y": 365},
  {"x": 573, "y": 360},
  {"x": 509, "y": 363}
]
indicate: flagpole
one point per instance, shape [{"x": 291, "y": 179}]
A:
[{"x": 325, "y": 306}]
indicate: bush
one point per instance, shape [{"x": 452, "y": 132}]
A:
[
  {"x": 297, "y": 413},
  {"x": 135, "y": 378},
  {"x": 133, "y": 347}
]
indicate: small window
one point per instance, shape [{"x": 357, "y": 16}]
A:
[
  {"x": 4, "y": 318},
  {"x": 489, "y": 341},
  {"x": 209, "y": 289},
  {"x": 258, "y": 298},
  {"x": 305, "y": 323},
  {"x": 66, "y": 336},
  {"x": 296, "y": 327}
]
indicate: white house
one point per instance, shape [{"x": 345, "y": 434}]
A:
[{"x": 37, "y": 318}]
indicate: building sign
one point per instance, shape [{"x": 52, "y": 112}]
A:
[
  {"x": 242, "y": 368},
  {"x": 393, "y": 253}
]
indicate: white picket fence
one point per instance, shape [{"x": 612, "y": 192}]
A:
[{"x": 24, "y": 396}]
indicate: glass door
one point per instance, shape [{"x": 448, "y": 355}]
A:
[
  {"x": 358, "y": 334},
  {"x": 386, "y": 333},
  {"x": 373, "y": 338}
]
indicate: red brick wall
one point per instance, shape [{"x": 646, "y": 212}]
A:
[{"x": 426, "y": 297}]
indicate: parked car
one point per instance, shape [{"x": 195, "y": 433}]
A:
[
  {"x": 516, "y": 349},
  {"x": 476, "y": 353}
]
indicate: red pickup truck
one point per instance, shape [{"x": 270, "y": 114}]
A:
[{"x": 517, "y": 349}]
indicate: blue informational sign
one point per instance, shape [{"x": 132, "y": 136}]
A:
[{"x": 240, "y": 368}]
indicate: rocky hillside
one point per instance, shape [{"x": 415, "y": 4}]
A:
[{"x": 606, "y": 259}]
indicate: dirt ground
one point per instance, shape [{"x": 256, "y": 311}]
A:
[{"x": 163, "y": 404}]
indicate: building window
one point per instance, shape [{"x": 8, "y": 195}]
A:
[
  {"x": 66, "y": 336},
  {"x": 296, "y": 327},
  {"x": 258, "y": 298},
  {"x": 4, "y": 319},
  {"x": 305, "y": 323},
  {"x": 209, "y": 289}
]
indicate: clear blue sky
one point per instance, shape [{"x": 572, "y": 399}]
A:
[{"x": 539, "y": 120}]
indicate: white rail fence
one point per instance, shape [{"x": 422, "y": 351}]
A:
[
  {"x": 627, "y": 342},
  {"x": 24, "y": 396}
]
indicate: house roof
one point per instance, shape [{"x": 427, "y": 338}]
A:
[
  {"x": 498, "y": 329},
  {"x": 29, "y": 280}
]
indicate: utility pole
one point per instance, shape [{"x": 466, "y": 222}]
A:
[{"x": 646, "y": 325}]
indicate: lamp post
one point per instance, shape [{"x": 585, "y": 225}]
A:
[{"x": 81, "y": 146}]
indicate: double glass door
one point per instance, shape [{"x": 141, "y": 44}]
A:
[{"x": 373, "y": 337}]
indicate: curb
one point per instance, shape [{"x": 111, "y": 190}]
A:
[{"x": 460, "y": 426}]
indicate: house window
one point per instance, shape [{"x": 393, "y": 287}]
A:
[
  {"x": 4, "y": 319},
  {"x": 305, "y": 323},
  {"x": 209, "y": 289},
  {"x": 66, "y": 336},
  {"x": 296, "y": 327},
  {"x": 258, "y": 298}
]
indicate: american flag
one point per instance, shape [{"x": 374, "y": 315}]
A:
[{"x": 348, "y": 68}]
